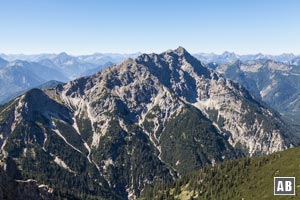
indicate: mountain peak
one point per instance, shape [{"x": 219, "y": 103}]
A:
[
  {"x": 64, "y": 58},
  {"x": 171, "y": 60},
  {"x": 3, "y": 62},
  {"x": 181, "y": 51},
  {"x": 228, "y": 54},
  {"x": 63, "y": 54},
  {"x": 18, "y": 63}
]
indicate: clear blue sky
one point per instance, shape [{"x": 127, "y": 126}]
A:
[{"x": 88, "y": 26}]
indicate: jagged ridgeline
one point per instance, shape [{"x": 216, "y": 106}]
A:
[{"x": 142, "y": 121}]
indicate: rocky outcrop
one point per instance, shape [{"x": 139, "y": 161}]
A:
[{"x": 12, "y": 189}]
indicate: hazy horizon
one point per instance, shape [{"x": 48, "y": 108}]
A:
[{"x": 139, "y": 52}]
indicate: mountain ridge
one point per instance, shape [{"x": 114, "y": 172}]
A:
[
  {"x": 152, "y": 118},
  {"x": 273, "y": 82}
]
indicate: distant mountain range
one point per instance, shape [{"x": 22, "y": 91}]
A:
[
  {"x": 145, "y": 120},
  {"x": 103, "y": 58},
  {"x": 230, "y": 57},
  {"x": 47, "y": 85},
  {"x": 96, "y": 59},
  {"x": 21, "y": 72},
  {"x": 17, "y": 76},
  {"x": 276, "y": 83}
]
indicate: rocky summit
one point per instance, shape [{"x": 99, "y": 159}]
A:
[{"x": 153, "y": 118}]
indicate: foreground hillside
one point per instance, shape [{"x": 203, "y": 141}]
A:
[{"x": 246, "y": 178}]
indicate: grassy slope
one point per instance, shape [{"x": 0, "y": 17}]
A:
[{"x": 240, "y": 179}]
